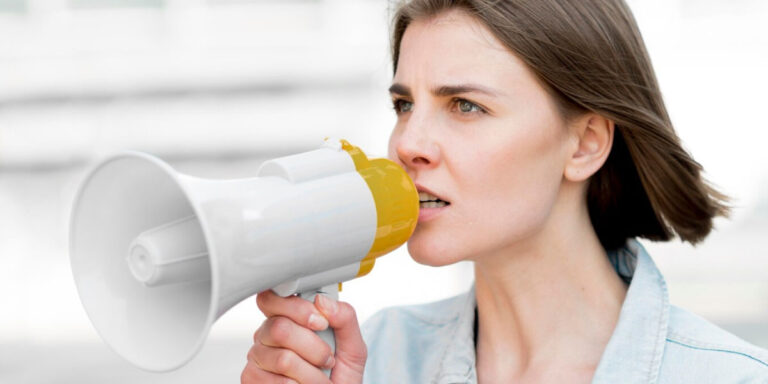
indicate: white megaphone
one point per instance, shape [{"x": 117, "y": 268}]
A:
[{"x": 159, "y": 256}]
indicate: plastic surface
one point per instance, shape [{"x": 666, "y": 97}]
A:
[
  {"x": 258, "y": 233},
  {"x": 155, "y": 328},
  {"x": 396, "y": 199},
  {"x": 327, "y": 335},
  {"x": 318, "y": 280},
  {"x": 158, "y": 256},
  {"x": 171, "y": 253}
]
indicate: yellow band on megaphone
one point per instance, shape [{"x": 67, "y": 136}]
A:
[{"x": 396, "y": 199}]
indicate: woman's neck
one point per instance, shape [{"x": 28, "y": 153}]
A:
[{"x": 548, "y": 307}]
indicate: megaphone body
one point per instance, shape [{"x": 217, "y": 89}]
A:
[{"x": 158, "y": 256}]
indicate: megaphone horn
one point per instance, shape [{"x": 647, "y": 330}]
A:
[{"x": 159, "y": 256}]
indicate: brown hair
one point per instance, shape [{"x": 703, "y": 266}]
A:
[{"x": 591, "y": 57}]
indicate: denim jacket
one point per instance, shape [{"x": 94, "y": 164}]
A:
[{"x": 653, "y": 342}]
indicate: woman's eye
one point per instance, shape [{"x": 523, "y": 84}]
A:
[
  {"x": 467, "y": 106},
  {"x": 402, "y": 106}
]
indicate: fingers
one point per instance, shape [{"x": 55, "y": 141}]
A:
[
  {"x": 273, "y": 363},
  {"x": 286, "y": 346},
  {"x": 282, "y": 332},
  {"x": 302, "y": 312},
  {"x": 252, "y": 374},
  {"x": 351, "y": 351}
]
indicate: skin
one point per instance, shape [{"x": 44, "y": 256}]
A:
[{"x": 481, "y": 132}]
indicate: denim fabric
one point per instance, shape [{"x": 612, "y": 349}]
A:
[{"x": 653, "y": 342}]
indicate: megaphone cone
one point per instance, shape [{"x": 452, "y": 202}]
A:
[{"x": 159, "y": 256}]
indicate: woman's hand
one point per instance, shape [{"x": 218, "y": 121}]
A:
[{"x": 287, "y": 350}]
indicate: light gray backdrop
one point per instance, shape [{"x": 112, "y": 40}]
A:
[{"x": 217, "y": 86}]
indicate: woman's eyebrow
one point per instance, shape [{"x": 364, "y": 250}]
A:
[
  {"x": 447, "y": 90},
  {"x": 399, "y": 89},
  {"x": 451, "y": 90}
]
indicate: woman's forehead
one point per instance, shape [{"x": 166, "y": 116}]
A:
[{"x": 454, "y": 48}]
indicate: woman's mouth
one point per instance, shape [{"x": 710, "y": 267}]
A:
[
  {"x": 427, "y": 200},
  {"x": 430, "y": 206}
]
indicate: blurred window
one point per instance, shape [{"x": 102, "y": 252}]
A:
[
  {"x": 116, "y": 3},
  {"x": 227, "y": 2},
  {"x": 13, "y": 6}
]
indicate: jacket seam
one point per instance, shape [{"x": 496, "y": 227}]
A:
[
  {"x": 414, "y": 311},
  {"x": 653, "y": 373},
  {"x": 440, "y": 376},
  {"x": 695, "y": 344},
  {"x": 439, "y": 322},
  {"x": 453, "y": 378},
  {"x": 410, "y": 311}
]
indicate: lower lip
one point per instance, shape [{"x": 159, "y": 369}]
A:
[{"x": 427, "y": 214}]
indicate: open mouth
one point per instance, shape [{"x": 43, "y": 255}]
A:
[{"x": 427, "y": 200}]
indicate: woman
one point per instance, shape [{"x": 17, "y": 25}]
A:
[{"x": 539, "y": 128}]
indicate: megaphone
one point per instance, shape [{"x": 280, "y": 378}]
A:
[{"x": 159, "y": 256}]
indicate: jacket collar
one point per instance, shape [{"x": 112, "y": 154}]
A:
[
  {"x": 457, "y": 364},
  {"x": 633, "y": 353},
  {"x": 635, "y": 350}
]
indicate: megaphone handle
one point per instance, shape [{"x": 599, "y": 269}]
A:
[{"x": 327, "y": 335}]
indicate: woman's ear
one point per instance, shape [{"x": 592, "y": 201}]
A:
[{"x": 593, "y": 136}]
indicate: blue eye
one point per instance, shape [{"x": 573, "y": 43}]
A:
[{"x": 402, "y": 106}]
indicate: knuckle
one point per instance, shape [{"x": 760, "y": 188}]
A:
[
  {"x": 280, "y": 330},
  {"x": 348, "y": 311},
  {"x": 253, "y": 354},
  {"x": 358, "y": 355},
  {"x": 348, "y": 308},
  {"x": 257, "y": 335},
  {"x": 284, "y": 361},
  {"x": 249, "y": 355},
  {"x": 250, "y": 374}
]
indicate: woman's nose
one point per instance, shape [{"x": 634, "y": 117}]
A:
[{"x": 415, "y": 149}]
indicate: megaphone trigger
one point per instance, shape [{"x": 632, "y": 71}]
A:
[{"x": 327, "y": 335}]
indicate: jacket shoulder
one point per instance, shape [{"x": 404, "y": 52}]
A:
[
  {"x": 402, "y": 341},
  {"x": 413, "y": 317},
  {"x": 698, "y": 351}
]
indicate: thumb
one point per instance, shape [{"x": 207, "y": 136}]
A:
[{"x": 351, "y": 352}]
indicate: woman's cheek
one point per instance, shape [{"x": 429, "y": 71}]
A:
[{"x": 515, "y": 207}]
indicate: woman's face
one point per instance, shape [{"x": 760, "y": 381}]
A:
[{"x": 478, "y": 131}]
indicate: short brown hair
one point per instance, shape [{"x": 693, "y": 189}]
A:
[{"x": 591, "y": 57}]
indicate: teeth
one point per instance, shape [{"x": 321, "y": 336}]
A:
[
  {"x": 432, "y": 204},
  {"x": 423, "y": 196}
]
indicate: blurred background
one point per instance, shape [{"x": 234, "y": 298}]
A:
[{"x": 217, "y": 86}]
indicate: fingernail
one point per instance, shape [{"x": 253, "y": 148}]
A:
[
  {"x": 328, "y": 304},
  {"x": 317, "y": 322},
  {"x": 329, "y": 363}
]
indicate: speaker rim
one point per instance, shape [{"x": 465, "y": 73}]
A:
[{"x": 214, "y": 299}]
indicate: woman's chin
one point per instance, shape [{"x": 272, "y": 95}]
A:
[{"x": 432, "y": 253}]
